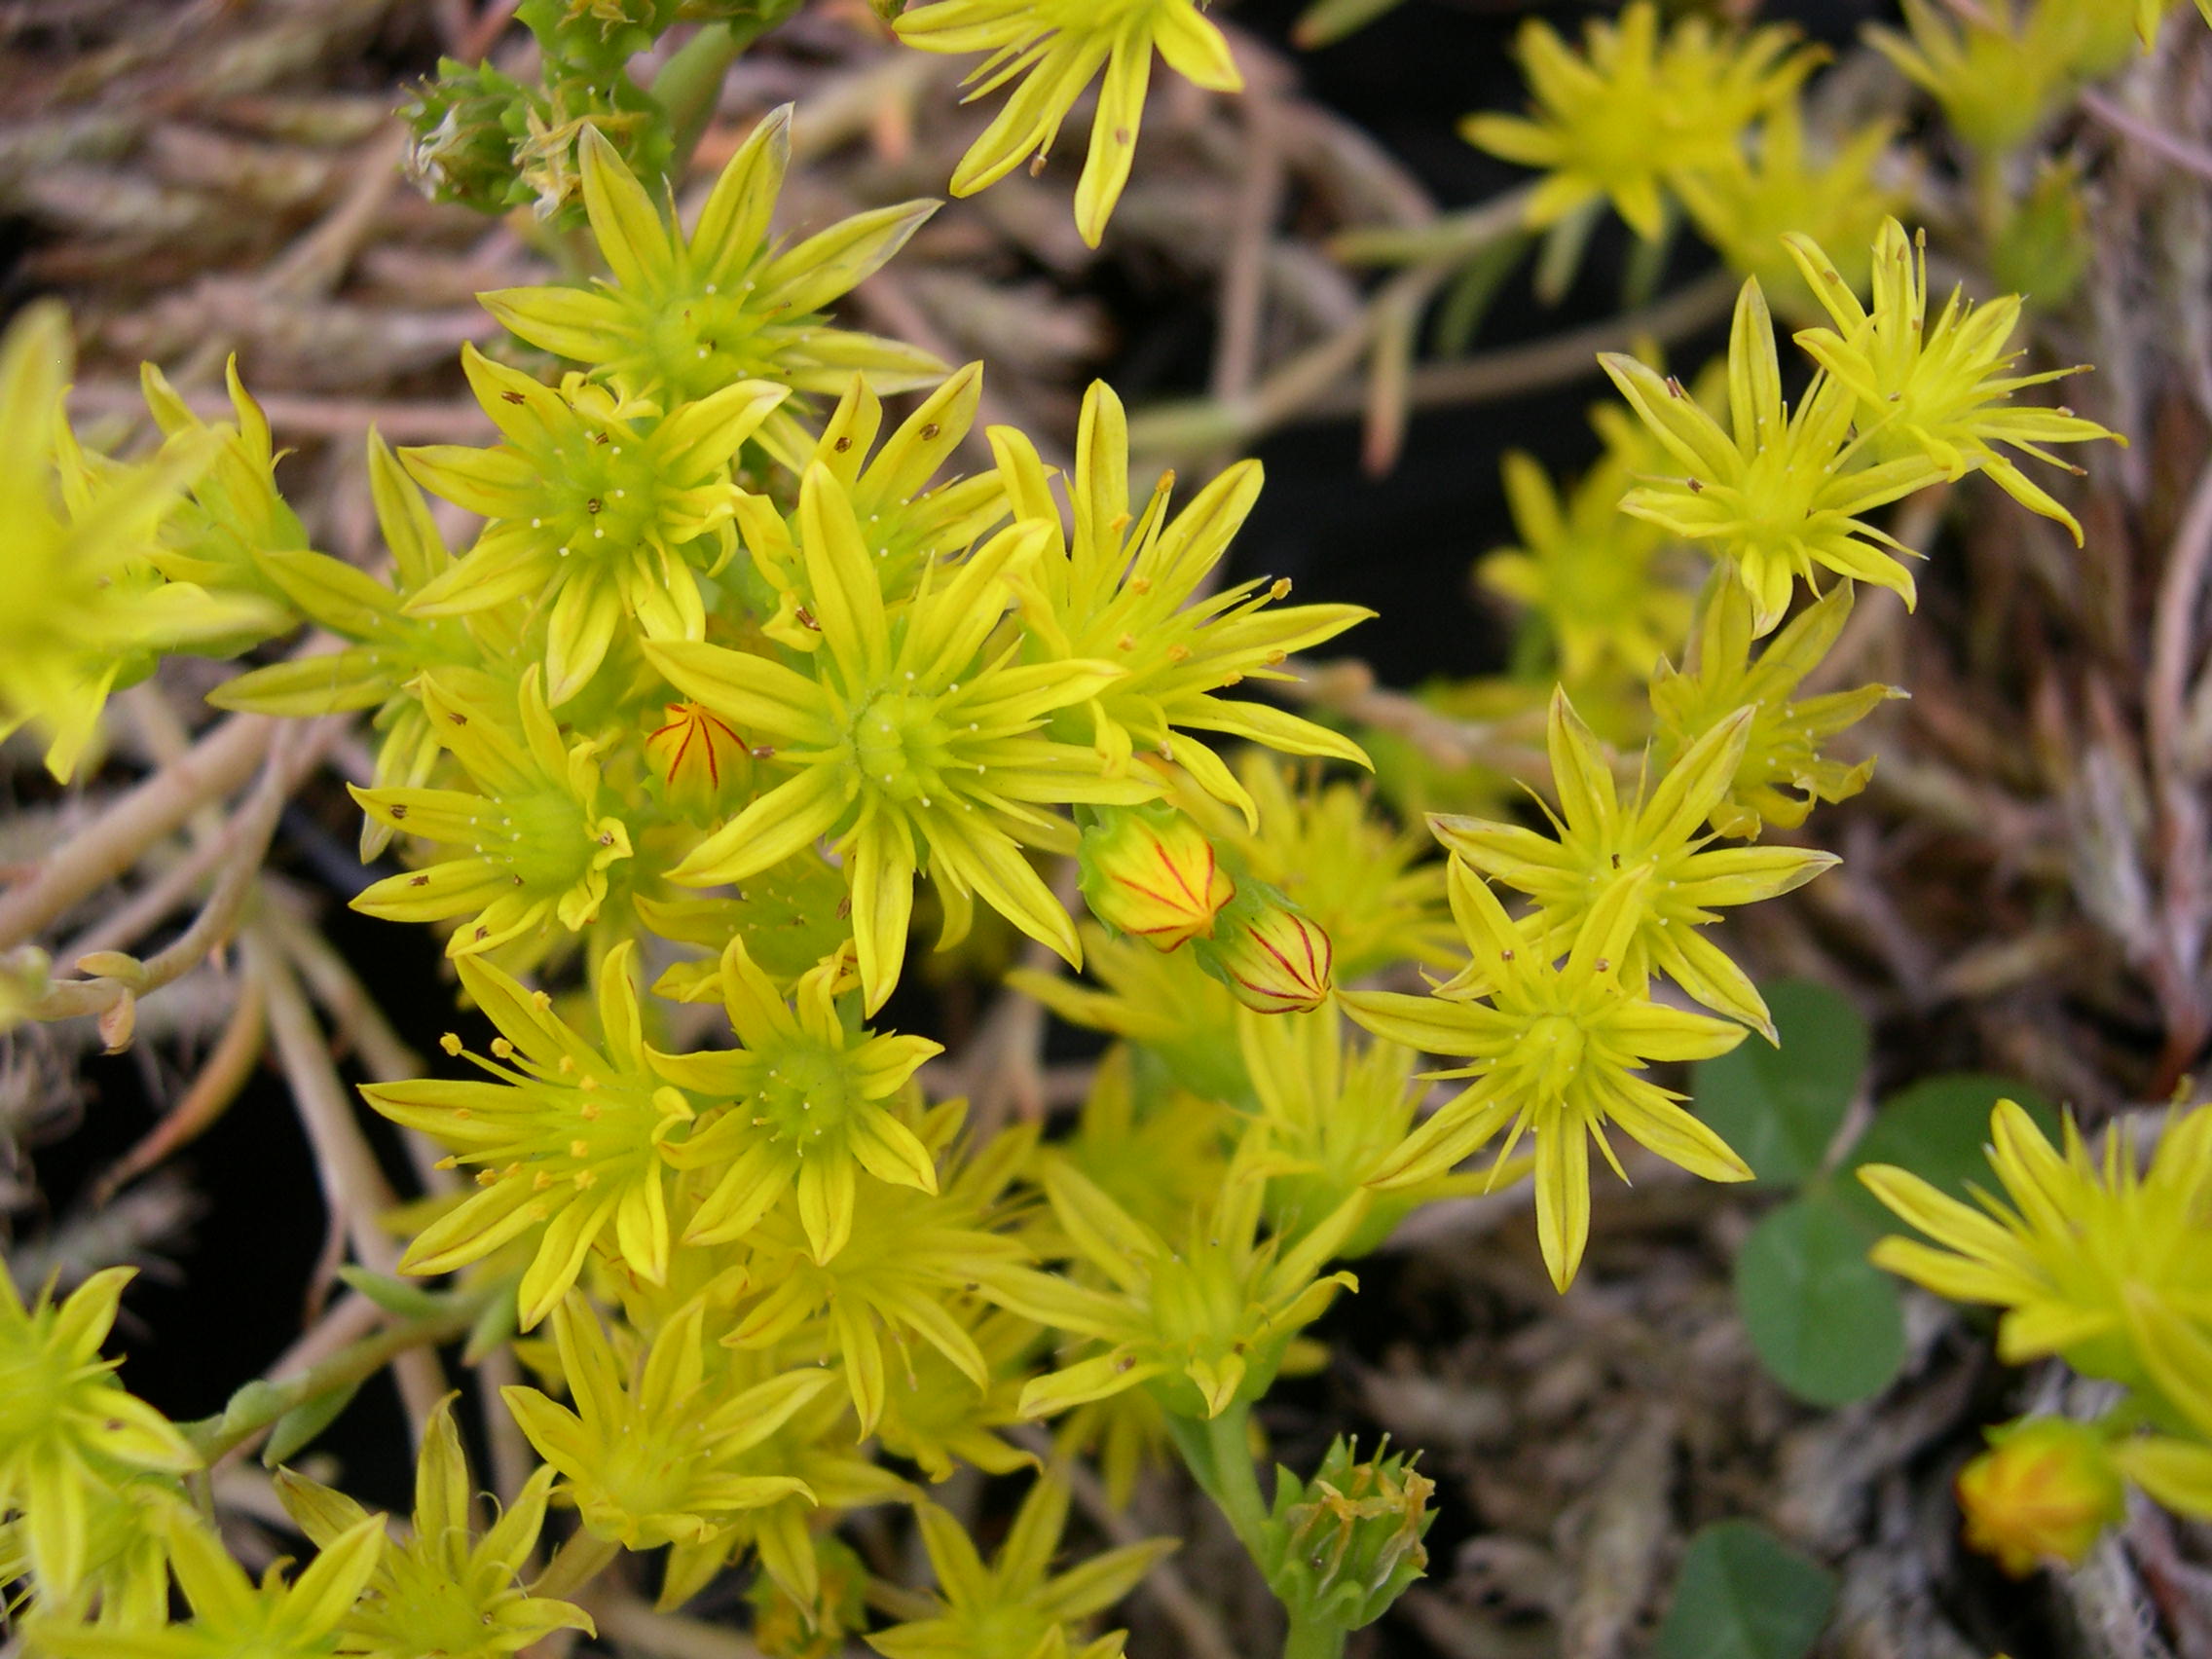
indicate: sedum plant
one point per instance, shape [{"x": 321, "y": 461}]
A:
[{"x": 740, "y": 678}]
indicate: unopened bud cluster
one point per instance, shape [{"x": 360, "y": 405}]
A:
[
  {"x": 1347, "y": 1545},
  {"x": 1151, "y": 872}
]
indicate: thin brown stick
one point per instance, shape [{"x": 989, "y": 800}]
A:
[
  {"x": 218, "y": 765},
  {"x": 229, "y": 1064},
  {"x": 243, "y": 842}
]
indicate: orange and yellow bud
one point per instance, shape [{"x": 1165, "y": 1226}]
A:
[
  {"x": 1150, "y": 871},
  {"x": 2041, "y": 1493},
  {"x": 701, "y": 760},
  {"x": 1273, "y": 957}
]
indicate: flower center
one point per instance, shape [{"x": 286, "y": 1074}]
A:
[
  {"x": 807, "y": 1093},
  {"x": 550, "y": 842},
  {"x": 699, "y": 343},
  {"x": 1550, "y": 1056},
  {"x": 902, "y": 747}
]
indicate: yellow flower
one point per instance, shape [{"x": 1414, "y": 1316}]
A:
[
  {"x": 1592, "y": 577},
  {"x": 814, "y": 1449},
  {"x": 937, "y": 1419},
  {"x": 533, "y": 845},
  {"x": 910, "y": 1258},
  {"x": 447, "y": 1590},
  {"x": 1782, "y": 750},
  {"x": 230, "y": 1615},
  {"x": 686, "y": 316},
  {"x": 913, "y": 523},
  {"x": 87, "y": 609},
  {"x": 67, "y": 1429},
  {"x": 600, "y": 508},
  {"x": 1657, "y": 843},
  {"x": 1996, "y": 82},
  {"x": 1630, "y": 114},
  {"x": 1127, "y": 589},
  {"x": 909, "y": 741},
  {"x": 1332, "y": 1114},
  {"x": 1149, "y": 1143},
  {"x": 1746, "y": 205},
  {"x": 2043, "y": 1492},
  {"x": 2090, "y": 1259},
  {"x": 389, "y": 649},
  {"x": 660, "y": 1451},
  {"x": 1016, "y": 1608},
  {"x": 1556, "y": 1049},
  {"x": 1056, "y": 47},
  {"x": 1165, "y": 1002},
  {"x": 808, "y": 1109},
  {"x": 1940, "y": 391},
  {"x": 1203, "y": 1321},
  {"x": 1777, "y": 494},
  {"x": 567, "y": 1142}
]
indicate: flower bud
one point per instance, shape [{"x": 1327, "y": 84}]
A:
[
  {"x": 702, "y": 762},
  {"x": 1346, "y": 1544},
  {"x": 2041, "y": 1493},
  {"x": 1150, "y": 871},
  {"x": 463, "y": 147},
  {"x": 1273, "y": 957}
]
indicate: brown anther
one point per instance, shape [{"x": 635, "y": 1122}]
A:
[
  {"x": 843, "y": 444},
  {"x": 513, "y": 397},
  {"x": 418, "y": 881},
  {"x": 399, "y": 812},
  {"x": 930, "y": 431}
]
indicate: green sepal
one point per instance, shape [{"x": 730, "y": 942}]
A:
[{"x": 304, "y": 1424}]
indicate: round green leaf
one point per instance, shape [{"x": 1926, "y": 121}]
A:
[
  {"x": 1744, "y": 1593},
  {"x": 1823, "y": 1321},
  {"x": 1939, "y": 1128},
  {"x": 1779, "y": 1107}
]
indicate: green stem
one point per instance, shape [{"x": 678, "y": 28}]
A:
[
  {"x": 691, "y": 80},
  {"x": 258, "y": 1405},
  {"x": 1234, "y": 1487},
  {"x": 1313, "y": 1641}
]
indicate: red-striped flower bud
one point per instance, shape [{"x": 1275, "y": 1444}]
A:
[
  {"x": 1150, "y": 871},
  {"x": 702, "y": 762},
  {"x": 1273, "y": 957}
]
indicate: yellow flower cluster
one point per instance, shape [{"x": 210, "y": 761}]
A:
[
  {"x": 2102, "y": 1263},
  {"x": 735, "y": 665}
]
